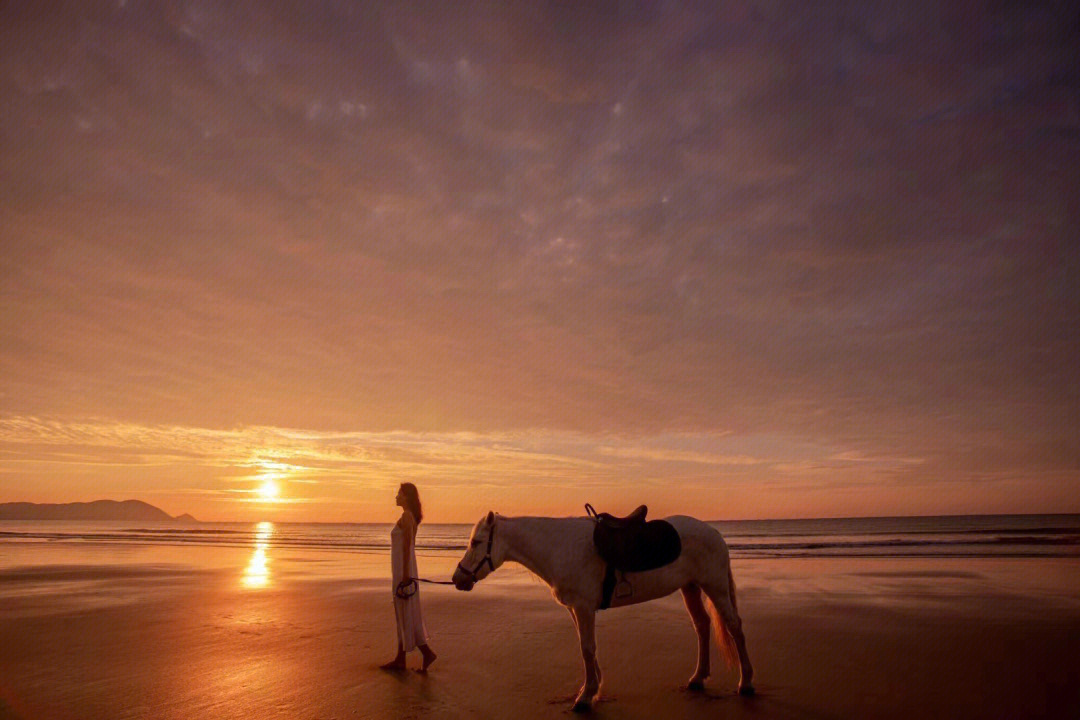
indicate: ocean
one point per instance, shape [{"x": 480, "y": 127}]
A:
[{"x": 945, "y": 536}]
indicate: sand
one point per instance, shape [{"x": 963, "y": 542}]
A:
[{"x": 192, "y": 633}]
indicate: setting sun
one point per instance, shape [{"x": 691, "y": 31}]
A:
[{"x": 268, "y": 491}]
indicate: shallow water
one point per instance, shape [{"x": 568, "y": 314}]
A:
[{"x": 982, "y": 535}]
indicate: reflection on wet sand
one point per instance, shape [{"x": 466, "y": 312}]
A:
[{"x": 257, "y": 572}]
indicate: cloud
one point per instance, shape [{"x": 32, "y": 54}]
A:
[
  {"x": 338, "y": 463},
  {"x": 850, "y": 229},
  {"x": 678, "y": 456}
]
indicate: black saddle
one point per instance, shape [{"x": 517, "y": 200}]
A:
[
  {"x": 635, "y": 518},
  {"x": 632, "y": 544}
]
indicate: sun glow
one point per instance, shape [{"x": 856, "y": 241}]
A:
[{"x": 268, "y": 491}]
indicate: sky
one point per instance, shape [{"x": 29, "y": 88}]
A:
[{"x": 265, "y": 260}]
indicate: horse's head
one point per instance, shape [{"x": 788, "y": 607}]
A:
[{"x": 477, "y": 562}]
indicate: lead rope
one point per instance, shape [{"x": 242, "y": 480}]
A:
[{"x": 403, "y": 589}]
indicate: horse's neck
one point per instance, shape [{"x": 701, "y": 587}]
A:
[{"x": 533, "y": 542}]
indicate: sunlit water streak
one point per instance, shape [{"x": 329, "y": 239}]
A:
[{"x": 257, "y": 572}]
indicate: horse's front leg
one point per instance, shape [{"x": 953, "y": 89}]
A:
[{"x": 585, "y": 619}]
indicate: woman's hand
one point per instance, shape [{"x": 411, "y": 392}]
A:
[{"x": 406, "y": 588}]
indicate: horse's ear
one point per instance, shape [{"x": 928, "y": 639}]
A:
[{"x": 491, "y": 518}]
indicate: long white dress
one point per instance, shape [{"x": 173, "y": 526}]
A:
[{"x": 410, "y": 623}]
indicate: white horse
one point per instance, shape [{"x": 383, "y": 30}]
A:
[{"x": 560, "y": 551}]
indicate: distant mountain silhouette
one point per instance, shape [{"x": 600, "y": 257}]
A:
[{"x": 97, "y": 510}]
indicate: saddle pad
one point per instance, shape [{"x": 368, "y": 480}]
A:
[{"x": 635, "y": 549}]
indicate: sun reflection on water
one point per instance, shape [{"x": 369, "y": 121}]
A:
[{"x": 257, "y": 572}]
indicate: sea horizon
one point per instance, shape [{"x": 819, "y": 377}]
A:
[
  {"x": 928, "y": 516},
  {"x": 992, "y": 535}
]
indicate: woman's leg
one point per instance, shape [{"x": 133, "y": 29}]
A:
[
  {"x": 429, "y": 656},
  {"x": 398, "y": 663},
  {"x": 420, "y": 632}
]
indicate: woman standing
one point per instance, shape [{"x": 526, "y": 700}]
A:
[{"x": 410, "y": 624}]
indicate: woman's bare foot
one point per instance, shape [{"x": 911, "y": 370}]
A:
[
  {"x": 397, "y": 663},
  {"x": 429, "y": 657}
]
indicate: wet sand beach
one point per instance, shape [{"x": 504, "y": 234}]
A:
[{"x": 226, "y": 632}]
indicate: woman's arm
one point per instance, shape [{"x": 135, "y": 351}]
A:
[{"x": 408, "y": 524}]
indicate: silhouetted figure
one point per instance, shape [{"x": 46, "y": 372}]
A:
[{"x": 411, "y": 633}]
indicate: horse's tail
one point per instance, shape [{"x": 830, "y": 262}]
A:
[{"x": 724, "y": 641}]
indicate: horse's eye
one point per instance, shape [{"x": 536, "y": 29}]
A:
[{"x": 474, "y": 543}]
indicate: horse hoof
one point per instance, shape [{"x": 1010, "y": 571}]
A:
[
  {"x": 581, "y": 707},
  {"x": 696, "y": 686},
  {"x": 746, "y": 690}
]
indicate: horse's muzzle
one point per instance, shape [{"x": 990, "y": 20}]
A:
[{"x": 464, "y": 585}]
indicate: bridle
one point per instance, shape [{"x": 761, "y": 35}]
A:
[{"x": 486, "y": 560}]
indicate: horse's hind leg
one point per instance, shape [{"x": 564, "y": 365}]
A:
[
  {"x": 586, "y": 627},
  {"x": 723, "y": 599},
  {"x": 694, "y": 605}
]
